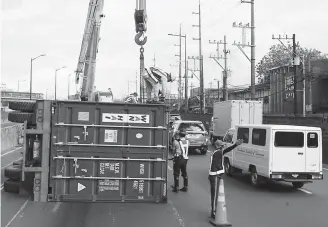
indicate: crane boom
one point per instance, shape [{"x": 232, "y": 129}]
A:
[
  {"x": 88, "y": 55},
  {"x": 153, "y": 80}
]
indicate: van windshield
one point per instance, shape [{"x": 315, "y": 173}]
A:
[{"x": 289, "y": 139}]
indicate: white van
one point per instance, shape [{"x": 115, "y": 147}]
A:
[{"x": 276, "y": 152}]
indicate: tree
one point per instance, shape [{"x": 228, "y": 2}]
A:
[{"x": 278, "y": 56}]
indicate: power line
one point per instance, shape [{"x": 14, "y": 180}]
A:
[{"x": 228, "y": 11}]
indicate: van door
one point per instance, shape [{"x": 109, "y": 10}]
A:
[
  {"x": 288, "y": 151},
  {"x": 313, "y": 150}
]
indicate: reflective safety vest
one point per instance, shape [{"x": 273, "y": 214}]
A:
[
  {"x": 216, "y": 163},
  {"x": 184, "y": 144}
]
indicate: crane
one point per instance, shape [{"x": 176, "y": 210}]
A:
[{"x": 150, "y": 78}]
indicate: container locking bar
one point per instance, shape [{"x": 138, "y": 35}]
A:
[
  {"x": 111, "y": 126},
  {"x": 108, "y": 145},
  {"x": 107, "y": 178},
  {"x": 110, "y": 159}
]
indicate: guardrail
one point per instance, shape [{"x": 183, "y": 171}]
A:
[{"x": 11, "y": 136}]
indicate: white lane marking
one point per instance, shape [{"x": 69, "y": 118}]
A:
[
  {"x": 305, "y": 191},
  {"x": 10, "y": 163},
  {"x": 8, "y": 152},
  {"x": 18, "y": 212},
  {"x": 1, "y": 187},
  {"x": 177, "y": 215},
  {"x": 169, "y": 167},
  {"x": 56, "y": 207}
]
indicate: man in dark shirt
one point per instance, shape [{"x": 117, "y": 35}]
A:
[{"x": 216, "y": 168}]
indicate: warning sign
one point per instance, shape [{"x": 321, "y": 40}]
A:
[
  {"x": 114, "y": 117},
  {"x": 110, "y": 136}
]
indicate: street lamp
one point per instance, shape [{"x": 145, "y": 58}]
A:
[
  {"x": 56, "y": 80},
  {"x": 31, "y": 74}
]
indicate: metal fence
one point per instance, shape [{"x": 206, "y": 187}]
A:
[{"x": 11, "y": 136}]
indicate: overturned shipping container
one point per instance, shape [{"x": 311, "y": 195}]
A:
[{"x": 102, "y": 152}]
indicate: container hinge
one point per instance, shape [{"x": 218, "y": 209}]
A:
[
  {"x": 85, "y": 132},
  {"x": 75, "y": 165}
]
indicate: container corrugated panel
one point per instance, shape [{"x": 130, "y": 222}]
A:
[{"x": 108, "y": 152}]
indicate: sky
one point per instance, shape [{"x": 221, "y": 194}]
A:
[{"x": 55, "y": 28}]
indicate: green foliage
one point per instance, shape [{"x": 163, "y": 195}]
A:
[{"x": 279, "y": 55}]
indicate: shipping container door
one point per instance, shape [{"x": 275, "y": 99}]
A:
[
  {"x": 244, "y": 112},
  {"x": 108, "y": 152}
]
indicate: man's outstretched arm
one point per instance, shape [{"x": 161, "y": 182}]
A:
[{"x": 232, "y": 147}]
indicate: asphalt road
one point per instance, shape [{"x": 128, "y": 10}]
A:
[{"x": 269, "y": 206}]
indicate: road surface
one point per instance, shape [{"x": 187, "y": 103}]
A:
[{"x": 269, "y": 206}]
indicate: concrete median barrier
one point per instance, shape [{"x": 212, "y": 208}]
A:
[{"x": 11, "y": 136}]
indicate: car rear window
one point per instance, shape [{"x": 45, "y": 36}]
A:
[
  {"x": 289, "y": 139},
  {"x": 312, "y": 140},
  {"x": 195, "y": 127}
]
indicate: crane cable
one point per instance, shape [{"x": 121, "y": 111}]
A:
[{"x": 140, "y": 17}]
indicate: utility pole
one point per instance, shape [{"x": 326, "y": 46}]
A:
[
  {"x": 295, "y": 63},
  {"x": 180, "y": 70},
  {"x": 304, "y": 86},
  {"x": 186, "y": 81},
  {"x": 219, "y": 90},
  {"x": 195, "y": 69},
  {"x": 252, "y": 45},
  {"x": 295, "y": 75},
  {"x": 191, "y": 89},
  {"x": 202, "y": 97},
  {"x": 252, "y": 50},
  {"x": 225, "y": 68},
  {"x": 180, "y": 90}
]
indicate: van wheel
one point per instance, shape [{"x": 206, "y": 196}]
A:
[
  {"x": 298, "y": 184},
  {"x": 227, "y": 167},
  {"x": 255, "y": 178}
]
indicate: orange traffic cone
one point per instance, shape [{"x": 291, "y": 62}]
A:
[{"x": 221, "y": 210}]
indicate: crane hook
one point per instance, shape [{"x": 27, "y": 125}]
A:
[{"x": 139, "y": 41}]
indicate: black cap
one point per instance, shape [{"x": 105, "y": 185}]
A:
[{"x": 182, "y": 132}]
